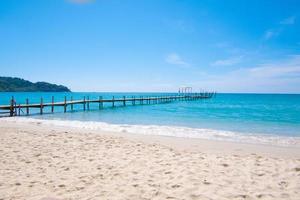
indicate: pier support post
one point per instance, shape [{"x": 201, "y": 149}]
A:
[
  {"x": 65, "y": 105},
  {"x": 113, "y": 101},
  {"x": 71, "y": 103},
  {"x": 19, "y": 110},
  {"x": 27, "y": 108},
  {"x": 100, "y": 102},
  {"x": 11, "y": 109},
  {"x": 124, "y": 101},
  {"x": 84, "y": 103},
  {"x": 52, "y": 105},
  {"x": 99, "y": 105},
  {"x": 88, "y": 102},
  {"x": 41, "y": 106},
  {"x": 15, "y": 106}
]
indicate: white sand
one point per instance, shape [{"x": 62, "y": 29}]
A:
[{"x": 47, "y": 162}]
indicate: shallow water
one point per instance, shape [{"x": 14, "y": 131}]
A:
[{"x": 253, "y": 115}]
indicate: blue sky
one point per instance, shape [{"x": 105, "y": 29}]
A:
[{"x": 153, "y": 45}]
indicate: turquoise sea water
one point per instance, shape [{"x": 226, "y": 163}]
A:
[{"x": 247, "y": 114}]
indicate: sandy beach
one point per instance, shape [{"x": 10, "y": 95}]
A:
[{"x": 39, "y": 161}]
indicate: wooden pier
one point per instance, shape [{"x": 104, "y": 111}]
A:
[{"x": 15, "y": 109}]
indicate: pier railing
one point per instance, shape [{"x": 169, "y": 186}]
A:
[{"x": 15, "y": 109}]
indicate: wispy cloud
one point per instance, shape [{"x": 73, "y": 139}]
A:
[
  {"x": 228, "y": 61},
  {"x": 80, "y": 1},
  {"x": 288, "y": 21},
  {"x": 270, "y": 34},
  {"x": 230, "y": 48},
  {"x": 175, "y": 59},
  {"x": 275, "y": 71},
  {"x": 288, "y": 67},
  {"x": 281, "y": 76}
]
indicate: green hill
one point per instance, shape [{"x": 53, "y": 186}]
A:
[{"x": 9, "y": 84}]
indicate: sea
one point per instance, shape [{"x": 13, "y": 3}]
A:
[{"x": 272, "y": 119}]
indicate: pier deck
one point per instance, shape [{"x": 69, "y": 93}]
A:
[{"x": 15, "y": 109}]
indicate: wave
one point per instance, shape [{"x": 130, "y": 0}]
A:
[{"x": 173, "y": 131}]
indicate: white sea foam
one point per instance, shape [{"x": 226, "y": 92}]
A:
[{"x": 174, "y": 131}]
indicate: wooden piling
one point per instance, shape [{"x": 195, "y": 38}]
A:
[
  {"x": 88, "y": 102},
  {"x": 27, "y": 108},
  {"x": 84, "y": 103},
  {"x": 65, "y": 105},
  {"x": 71, "y": 104},
  {"x": 11, "y": 109},
  {"x": 19, "y": 110},
  {"x": 41, "y": 106},
  {"x": 113, "y": 101},
  {"x": 100, "y": 102},
  {"x": 99, "y": 106},
  {"x": 15, "y": 106},
  {"x": 52, "y": 105},
  {"x": 124, "y": 101}
]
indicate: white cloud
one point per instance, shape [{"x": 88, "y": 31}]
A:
[
  {"x": 175, "y": 59},
  {"x": 281, "y": 76},
  {"x": 230, "y": 49},
  {"x": 285, "y": 68},
  {"x": 80, "y": 1},
  {"x": 274, "y": 71},
  {"x": 270, "y": 34},
  {"x": 228, "y": 61},
  {"x": 288, "y": 21}
]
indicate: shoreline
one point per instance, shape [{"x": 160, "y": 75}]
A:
[
  {"x": 43, "y": 161},
  {"x": 165, "y": 131},
  {"x": 180, "y": 143}
]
